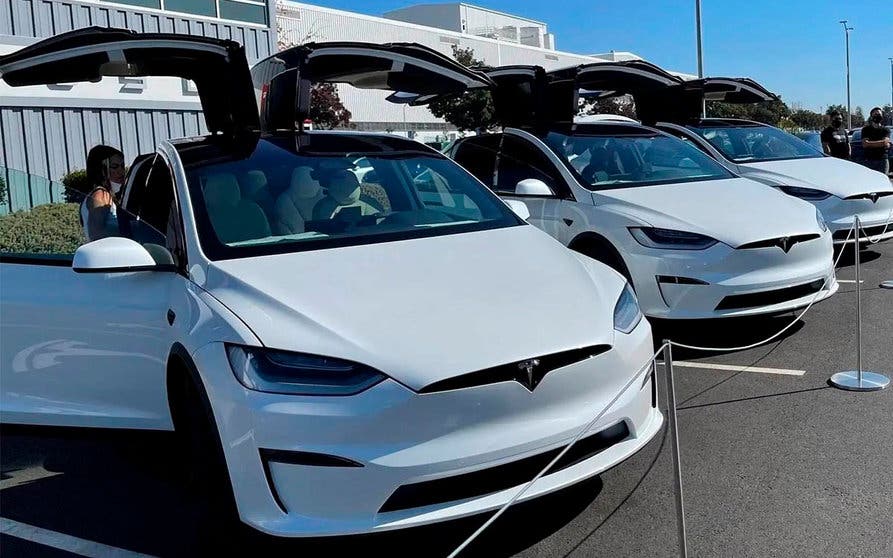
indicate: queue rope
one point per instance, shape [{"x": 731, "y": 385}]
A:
[
  {"x": 787, "y": 327},
  {"x": 651, "y": 363},
  {"x": 880, "y": 234},
  {"x": 561, "y": 454}
]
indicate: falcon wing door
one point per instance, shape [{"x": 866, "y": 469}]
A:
[
  {"x": 634, "y": 77},
  {"x": 683, "y": 103},
  {"x": 218, "y": 67},
  {"x": 415, "y": 73}
]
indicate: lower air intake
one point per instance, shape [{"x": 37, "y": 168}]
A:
[{"x": 768, "y": 298}]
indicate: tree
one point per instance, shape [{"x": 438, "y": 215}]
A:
[
  {"x": 472, "y": 110},
  {"x": 858, "y": 117},
  {"x": 807, "y": 119},
  {"x": 623, "y": 106},
  {"x": 836, "y": 108},
  {"x": 770, "y": 112},
  {"x": 326, "y": 109}
]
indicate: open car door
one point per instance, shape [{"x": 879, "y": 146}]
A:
[
  {"x": 602, "y": 79},
  {"x": 218, "y": 67},
  {"x": 416, "y": 73},
  {"x": 683, "y": 102}
]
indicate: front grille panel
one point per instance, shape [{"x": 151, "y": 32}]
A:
[
  {"x": 768, "y": 298},
  {"x": 501, "y": 477},
  {"x": 514, "y": 371},
  {"x": 866, "y": 231},
  {"x": 781, "y": 242}
]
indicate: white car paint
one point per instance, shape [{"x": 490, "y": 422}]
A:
[
  {"x": 839, "y": 178},
  {"x": 735, "y": 211},
  {"x": 96, "y": 349}
]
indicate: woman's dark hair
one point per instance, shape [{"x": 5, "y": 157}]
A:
[{"x": 95, "y": 159}]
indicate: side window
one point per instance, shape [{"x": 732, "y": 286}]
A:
[
  {"x": 478, "y": 156},
  {"x": 150, "y": 215},
  {"x": 436, "y": 193},
  {"x": 520, "y": 160}
]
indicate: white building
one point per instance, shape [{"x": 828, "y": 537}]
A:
[{"x": 46, "y": 131}]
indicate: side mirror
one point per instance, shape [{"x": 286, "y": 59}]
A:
[
  {"x": 114, "y": 255},
  {"x": 533, "y": 187},
  {"x": 519, "y": 207}
]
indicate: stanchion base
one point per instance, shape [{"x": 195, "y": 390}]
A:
[
  {"x": 886, "y": 285},
  {"x": 849, "y": 380}
]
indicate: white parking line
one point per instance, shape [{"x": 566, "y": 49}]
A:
[
  {"x": 61, "y": 541},
  {"x": 853, "y": 281},
  {"x": 736, "y": 368}
]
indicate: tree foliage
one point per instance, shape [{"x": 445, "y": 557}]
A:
[
  {"x": 326, "y": 109},
  {"x": 771, "y": 112},
  {"x": 623, "y": 106},
  {"x": 472, "y": 110},
  {"x": 76, "y": 186},
  {"x": 3, "y": 195},
  {"x": 807, "y": 119}
]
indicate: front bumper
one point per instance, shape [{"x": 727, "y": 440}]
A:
[
  {"x": 396, "y": 437},
  {"x": 876, "y": 218},
  {"x": 725, "y": 282}
]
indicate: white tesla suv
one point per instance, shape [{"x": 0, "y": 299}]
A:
[
  {"x": 839, "y": 189},
  {"x": 695, "y": 240},
  {"x": 345, "y": 357}
]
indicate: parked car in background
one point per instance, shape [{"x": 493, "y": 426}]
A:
[
  {"x": 694, "y": 239},
  {"x": 858, "y": 153},
  {"x": 329, "y": 366}
]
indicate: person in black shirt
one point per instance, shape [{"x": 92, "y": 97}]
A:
[
  {"x": 834, "y": 139},
  {"x": 876, "y": 142}
]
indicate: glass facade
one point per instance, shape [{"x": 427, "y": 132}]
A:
[{"x": 249, "y": 11}]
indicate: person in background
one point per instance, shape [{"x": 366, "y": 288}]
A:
[
  {"x": 99, "y": 210},
  {"x": 834, "y": 138},
  {"x": 876, "y": 142}
]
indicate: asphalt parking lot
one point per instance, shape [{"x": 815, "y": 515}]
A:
[{"x": 775, "y": 463}]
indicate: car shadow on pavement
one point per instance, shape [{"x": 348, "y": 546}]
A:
[
  {"x": 123, "y": 489},
  {"x": 721, "y": 333},
  {"x": 848, "y": 259}
]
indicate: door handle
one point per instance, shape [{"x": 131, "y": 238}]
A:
[
  {"x": 171, "y": 316},
  {"x": 568, "y": 222}
]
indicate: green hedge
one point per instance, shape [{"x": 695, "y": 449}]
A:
[
  {"x": 53, "y": 228},
  {"x": 2, "y": 190},
  {"x": 76, "y": 185}
]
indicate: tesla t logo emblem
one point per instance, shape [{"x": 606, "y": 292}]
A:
[
  {"x": 785, "y": 244},
  {"x": 526, "y": 377},
  {"x": 873, "y": 197}
]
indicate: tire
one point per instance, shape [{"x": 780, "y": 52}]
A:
[
  {"x": 608, "y": 256},
  {"x": 198, "y": 447}
]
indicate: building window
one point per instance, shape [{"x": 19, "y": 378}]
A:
[
  {"x": 197, "y": 7},
  {"x": 254, "y": 12}
]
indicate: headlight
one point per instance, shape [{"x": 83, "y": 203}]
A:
[
  {"x": 299, "y": 374},
  {"x": 670, "y": 239},
  {"x": 807, "y": 194},
  {"x": 627, "y": 314},
  {"x": 821, "y": 220}
]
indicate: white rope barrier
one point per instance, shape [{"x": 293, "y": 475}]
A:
[
  {"x": 879, "y": 235},
  {"x": 561, "y": 454},
  {"x": 784, "y": 329},
  {"x": 651, "y": 363}
]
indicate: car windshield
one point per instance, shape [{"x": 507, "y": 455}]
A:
[
  {"x": 620, "y": 161},
  {"x": 750, "y": 144},
  {"x": 279, "y": 198}
]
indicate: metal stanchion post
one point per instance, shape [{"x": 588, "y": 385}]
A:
[
  {"x": 677, "y": 461},
  {"x": 858, "y": 380}
]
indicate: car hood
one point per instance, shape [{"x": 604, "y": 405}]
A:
[
  {"x": 734, "y": 211},
  {"x": 427, "y": 309},
  {"x": 830, "y": 174}
]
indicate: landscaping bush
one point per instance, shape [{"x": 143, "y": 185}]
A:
[
  {"x": 2, "y": 190},
  {"x": 53, "y": 228},
  {"x": 76, "y": 186}
]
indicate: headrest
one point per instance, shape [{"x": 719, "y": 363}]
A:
[
  {"x": 255, "y": 180},
  {"x": 303, "y": 185},
  {"x": 344, "y": 187},
  {"x": 222, "y": 189}
]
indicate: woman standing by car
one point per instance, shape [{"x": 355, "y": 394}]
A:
[{"x": 105, "y": 171}]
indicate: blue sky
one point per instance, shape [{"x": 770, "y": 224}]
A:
[{"x": 793, "y": 47}]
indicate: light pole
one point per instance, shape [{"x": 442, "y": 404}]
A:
[
  {"x": 700, "y": 54},
  {"x": 849, "y": 110}
]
